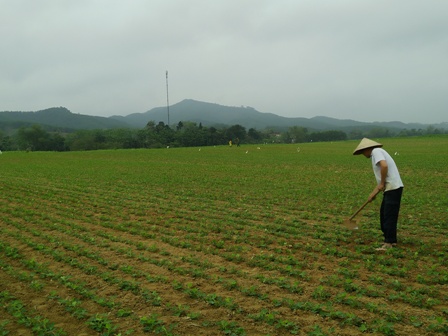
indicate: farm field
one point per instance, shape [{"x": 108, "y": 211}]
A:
[{"x": 221, "y": 241}]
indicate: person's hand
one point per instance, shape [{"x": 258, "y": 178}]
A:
[{"x": 375, "y": 192}]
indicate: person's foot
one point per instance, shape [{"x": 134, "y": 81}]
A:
[{"x": 385, "y": 247}]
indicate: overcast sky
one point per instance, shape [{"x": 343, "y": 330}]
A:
[{"x": 367, "y": 60}]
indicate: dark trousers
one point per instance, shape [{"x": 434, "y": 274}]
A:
[{"x": 390, "y": 207}]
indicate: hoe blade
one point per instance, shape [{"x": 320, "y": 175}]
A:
[{"x": 351, "y": 224}]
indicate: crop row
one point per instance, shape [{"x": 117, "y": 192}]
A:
[{"x": 252, "y": 291}]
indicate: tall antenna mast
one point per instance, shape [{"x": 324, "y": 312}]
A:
[{"x": 167, "y": 99}]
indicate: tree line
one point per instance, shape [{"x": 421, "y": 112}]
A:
[{"x": 184, "y": 134}]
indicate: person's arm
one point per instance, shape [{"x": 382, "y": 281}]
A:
[
  {"x": 384, "y": 170},
  {"x": 382, "y": 185}
]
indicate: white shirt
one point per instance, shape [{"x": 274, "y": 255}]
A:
[{"x": 393, "y": 179}]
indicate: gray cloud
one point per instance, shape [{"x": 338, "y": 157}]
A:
[{"x": 364, "y": 60}]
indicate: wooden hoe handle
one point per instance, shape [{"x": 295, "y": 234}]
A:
[{"x": 357, "y": 211}]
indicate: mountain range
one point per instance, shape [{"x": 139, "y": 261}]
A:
[{"x": 208, "y": 114}]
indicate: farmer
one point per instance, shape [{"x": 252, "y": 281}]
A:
[{"x": 389, "y": 182}]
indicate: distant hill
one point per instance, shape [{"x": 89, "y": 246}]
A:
[
  {"x": 209, "y": 114},
  {"x": 57, "y": 118}
]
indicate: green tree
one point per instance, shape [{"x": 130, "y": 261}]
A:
[
  {"x": 5, "y": 142},
  {"x": 298, "y": 134},
  {"x": 236, "y": 131},
  {"x": 33, "y": 138},
  {"x": 328, "y": 136},
  {"x": 150, "y": 126},
  {"x": 121, "y": 138},
  {"x": 82, "y": 140},
  {"x": 192, "y": 135},
  {"x": 57, "y": 143},
  {"x": 254, "y": 136},
  {"x": 379, "y": 132},
  {"x": 165, "y": 135}
]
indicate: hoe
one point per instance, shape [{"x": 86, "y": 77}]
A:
[{"x": 350, "y": 223}]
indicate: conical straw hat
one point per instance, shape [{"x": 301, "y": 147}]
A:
[{"x": 366, "y": 143}]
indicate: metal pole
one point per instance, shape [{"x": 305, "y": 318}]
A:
[{"x": 167, "y": 99}]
